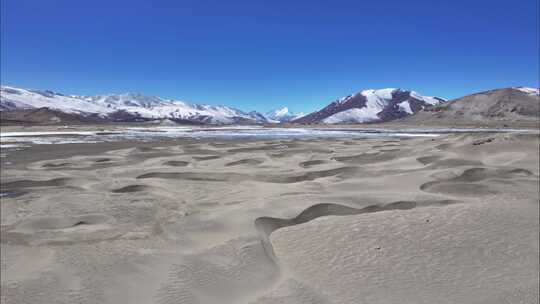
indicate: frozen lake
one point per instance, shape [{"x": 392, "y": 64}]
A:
[{"x": 18, "y": 139}]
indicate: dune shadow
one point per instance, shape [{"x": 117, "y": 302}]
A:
[
  {"x": 203, "y": 158},
  {"x": 307, "y": 176},
  {"x": 452, "y": 162},
  {"x": 130, "y": 188},
  {"x": 311, "y": 163},
  {"x": 55, "y": 223},
  {"x": 55, "y": 182},
  {"x": 239, "y": 177},
  {"x": 267, "y": 147},
  {"x": 102, "y": 160},
  {"x": 467, "y": 184},
  {"x": 368, "y": 158},
  {"x": 248, "y": 161},
  {"x": 426, "y": 160},
  {"x": 56, "y": 165},
  {"x": 176, "y": 163}
]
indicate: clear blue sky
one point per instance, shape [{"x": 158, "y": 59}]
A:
[{"x": 259, "y": 55}]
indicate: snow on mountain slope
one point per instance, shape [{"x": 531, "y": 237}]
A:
[
  {"x": 405, "y": 107},
  {"x": 353, "y": 115},
  {"x": 376, "y": 101},
  {"x": 427, "y": 99},
  {"x": 530, "y": 91},
  {"x": 282, "y": 115},
  {"x": 14, "y": 98},
  {"x": 124, "y": 107},
  {"x": 129, "y": 100},
  {"x": 371, "y": 106}
]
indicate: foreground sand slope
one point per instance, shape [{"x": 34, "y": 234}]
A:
[
  {"x": 480, "y": 253},
  {"x": 452, "y": 219}
]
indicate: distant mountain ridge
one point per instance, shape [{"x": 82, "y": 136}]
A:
[{"x": 126, "y": 107}]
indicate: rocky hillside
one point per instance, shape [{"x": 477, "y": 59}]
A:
[{"x": 495, "y": 107}]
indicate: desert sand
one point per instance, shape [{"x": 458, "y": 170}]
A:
[{"x": 452, "y": 219}]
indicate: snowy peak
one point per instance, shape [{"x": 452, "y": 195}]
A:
[
  {"x": 379, "y": 94},
  {"x": 372, "y": 106},
  {"x": 281, "y": 112},
  {"x": 282, "y": 115}
]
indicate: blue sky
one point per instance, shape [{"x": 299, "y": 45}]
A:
[{"x": 259, "y": 55}]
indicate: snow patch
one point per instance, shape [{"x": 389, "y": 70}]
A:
[
  {"x": 405, "y": 107},
  {"x": 427, "y": 99},
  {"x": 355, "y": 115},
  {"x": 380, "y": 94}
]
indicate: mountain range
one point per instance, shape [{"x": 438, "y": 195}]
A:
[
  {"x": 368, "y": 106},
  {"x": 128, "y": 107}
]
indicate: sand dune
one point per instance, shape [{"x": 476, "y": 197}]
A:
[
  {"x": 462, "y": 253},
  {"x": 452, "y": 219},
  {"x": 267, "y": 225}
]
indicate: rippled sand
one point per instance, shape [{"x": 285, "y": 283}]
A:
[{"x": 452, "y": 219}]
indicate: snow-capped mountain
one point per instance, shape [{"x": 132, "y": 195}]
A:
[
  {"x": 282, "y": 115},
  {"x": 124, "y": 107},
  {"x": 370, "y": 106}
]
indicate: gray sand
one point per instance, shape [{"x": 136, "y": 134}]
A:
[{"x": 447, "y": 220}]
